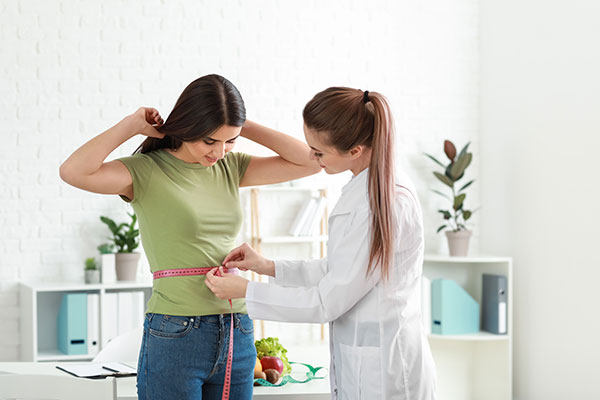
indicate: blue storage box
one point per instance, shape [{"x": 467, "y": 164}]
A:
[{"x": 453, "y": 310}]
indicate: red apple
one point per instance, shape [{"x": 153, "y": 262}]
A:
[{"x": 269, "y": 362}]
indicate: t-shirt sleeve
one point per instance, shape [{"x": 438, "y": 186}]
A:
[
  {"x": 240, "y": 162},
  {"x": 140, "y": 168}
]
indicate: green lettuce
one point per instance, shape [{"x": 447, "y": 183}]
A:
[{"x": 270, "y": 346}]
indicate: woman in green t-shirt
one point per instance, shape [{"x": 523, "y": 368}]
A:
[{"x": 183, "y": 183}]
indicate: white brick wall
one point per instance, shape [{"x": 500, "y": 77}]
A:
[{"x": 70, "y": 69}]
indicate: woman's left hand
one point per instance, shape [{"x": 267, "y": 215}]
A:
[{"x": 226, "y": 286}]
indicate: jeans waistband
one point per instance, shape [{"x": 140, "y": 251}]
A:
[{"x": 217, "y": 319}]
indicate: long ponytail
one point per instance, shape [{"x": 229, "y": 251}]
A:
[
  {"x": 382, "y": 187},
  {"x": 346, "y": 118}
]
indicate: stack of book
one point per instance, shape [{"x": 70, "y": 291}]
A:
[{"x": 308, "y": 218}]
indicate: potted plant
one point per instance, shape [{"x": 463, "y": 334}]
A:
[
  {"x": 457, "y": 215},
  {"x": 125, "y": 237},
  {"x": 107, "y": 262},
  {"x": 92, "y": 273}
]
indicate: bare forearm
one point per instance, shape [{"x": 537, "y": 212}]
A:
[
  {"x": 89, "y": 158},
  {"x": 289, "y": 148}
]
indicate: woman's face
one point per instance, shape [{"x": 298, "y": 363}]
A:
[
  {"x": 328, "y": 157},
  {"x": 207, "y": 151}
]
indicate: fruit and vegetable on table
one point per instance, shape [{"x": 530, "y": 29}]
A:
[
  {"x": 272, "y": 367},
  {"x": 271, "y": 360}
]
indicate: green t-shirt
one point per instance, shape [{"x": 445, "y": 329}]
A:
[{"x": 189, "y": 216}]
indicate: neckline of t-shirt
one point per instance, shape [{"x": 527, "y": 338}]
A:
[{"x": 174, "y": 160}]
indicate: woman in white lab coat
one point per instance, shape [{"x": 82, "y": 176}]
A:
[{"x": 368, "y": 288}]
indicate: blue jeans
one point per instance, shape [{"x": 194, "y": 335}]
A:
[{"x": 185, "y": 357}]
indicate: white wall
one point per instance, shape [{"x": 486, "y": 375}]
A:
[
  {"x": 540, "y": 97},
  {"x": 71, "y": 69}
]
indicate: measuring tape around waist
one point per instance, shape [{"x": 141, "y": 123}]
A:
[{"x": 203, "y": 271}]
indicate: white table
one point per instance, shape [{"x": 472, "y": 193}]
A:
[{"x": 126, "y": 390}]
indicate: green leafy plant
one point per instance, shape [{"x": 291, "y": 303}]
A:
[
  {"x": 457, "y": 216},
  {"x": 106, "y": 248},
  {"x": 125, "y": 235},
  {"x": 90, "y": 264}
]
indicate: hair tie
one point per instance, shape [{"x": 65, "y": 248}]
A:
[{"x": 366, "y": 97}]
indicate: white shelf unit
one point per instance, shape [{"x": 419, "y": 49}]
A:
[
  {"x": 257, "y": 239},
  {"x": 40, "y": 303},
  {"x": 475, "y": 366}
]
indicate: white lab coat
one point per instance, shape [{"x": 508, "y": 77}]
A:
[{"x": 378, "y": 346}]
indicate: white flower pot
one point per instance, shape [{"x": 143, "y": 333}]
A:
[
  {"x": 458, "y": 243},
  {"x": 107, "y": 261},
  {"x": 92, "y": 276},
  {"x": 127, "y": 266}
]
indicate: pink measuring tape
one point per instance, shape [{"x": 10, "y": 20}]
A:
[{"x": 203, "y": 271}]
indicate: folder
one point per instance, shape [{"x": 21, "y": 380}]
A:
[
  {"x": 93, "y": 328},
  {"x": 426, "y": 303},
  {"x": 494, "y": 303},
  {"x": 72, "y": 324},
  {"x": 453, "y": 310},
  {"x": 109, "y": 325},
  {"x": 138, "y": 308},
  {"x": 124, "y": 312}
]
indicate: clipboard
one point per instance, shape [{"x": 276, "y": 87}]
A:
[{"x": 97, "y": 370}]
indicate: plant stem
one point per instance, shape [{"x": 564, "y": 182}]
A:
[{"x": 455, "y": 211}]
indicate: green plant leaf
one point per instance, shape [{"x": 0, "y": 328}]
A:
[
  {"x": 441, "y": 194},
  {"x": 435, "y": 160},
  {"x": 444, "y": 179},
  {"x": 446, "y": 214},
  {"x": 110, "y": 223},
  {"x": 447, "y": 172},
  {"x": 450, "y": 150},
  {"x": 466, "y": 185},
  {"x": 460, "y": 165},
  {"x": 464, "y": 150},
  {"x": 458, "y": 201},
  {"x": 467, "y": 214},
  {"x": 440, "y": 228}
]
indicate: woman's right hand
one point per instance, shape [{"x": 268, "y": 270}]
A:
[
  {"x": 246, "y": 258},
  {"x": 147, "y": 118}
]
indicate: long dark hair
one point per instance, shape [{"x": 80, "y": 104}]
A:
[
  {"x": 342, "y": 118},
  {"x": 204, "y": 106}
]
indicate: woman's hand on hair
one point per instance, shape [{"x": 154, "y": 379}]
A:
[
  {"x": 246, "y": 258},
  {"x": 148, "y": 119}
]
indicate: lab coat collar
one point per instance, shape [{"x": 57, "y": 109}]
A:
[{"x": 354, "y": 193}]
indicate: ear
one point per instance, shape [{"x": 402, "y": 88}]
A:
[{"x": 356, "y": 152}]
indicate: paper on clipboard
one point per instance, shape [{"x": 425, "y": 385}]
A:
[{"x": 97, "y": 370}]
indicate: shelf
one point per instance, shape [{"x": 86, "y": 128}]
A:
[
  {"x": 478, "y": 365},
  {"x": 293, "y": 239},
  {"x": 55, "y": 355},
  {"x": 474, "y": 337},
  {"x": 40, "y": 286},
  {"x": 465, "y": 260}
]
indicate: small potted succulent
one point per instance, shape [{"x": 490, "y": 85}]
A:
[
  {"x": 92, "y": 273},
  {"x": 456, "y": 217},
  {"x": 125, "y": 238}
]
